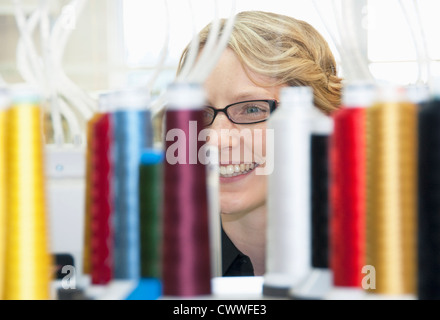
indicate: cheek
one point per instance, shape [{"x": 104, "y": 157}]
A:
[{"x": 259, "y": 144}]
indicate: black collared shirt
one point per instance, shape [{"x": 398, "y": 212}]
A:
[{"x": 234, "y": 263}]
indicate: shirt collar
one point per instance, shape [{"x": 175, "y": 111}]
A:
[{"x": 229, "y": 252}]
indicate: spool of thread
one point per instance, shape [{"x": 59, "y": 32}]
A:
[
  {"x": 288, "y": 253},
  {"x": 392, "y": 194},
  {"x": 88, "y": 195},
  {"x": 322, "y": 128},
  {"x": 4, "y": 106},
  {"x": 186, "y": 262},
  {"x": 318, "y": 282},
  {"x": 101, "y": 228},
  {"x": 348, "y": 192},
  {"x": 132, "y": 134},
  {"x": 150, "y": 199},
  {"x": 29, "y": 263},
  {"x": 429, "y": 195},
  {"x": 418, "y": 94},
  {"x": 105, "y": 106}
]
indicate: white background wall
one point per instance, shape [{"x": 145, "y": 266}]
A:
[{"x": 119, "y": 41}]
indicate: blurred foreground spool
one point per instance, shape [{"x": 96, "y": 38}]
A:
[
  {"x": 101, "y": 202},
  {"x": 186, "y": 257},
  {"x": 288, "y": 256},
  {"x": 98, "y": 246},
  {"x": 88, "y": 193},
  {"x": 348, "y": 192},
  {"x": 391, "y": 193},
  {"x": 132, "y": 134},
  {"x": 213, "y": 185},
  {"x": 4, "y": 105},
  {"x": 318, "y": 281},
  {"x": 429, "y": 198},
  {"x": 28, "y": 267},
  {"x": 150, "y": 202}
]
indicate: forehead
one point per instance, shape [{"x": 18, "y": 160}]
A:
[{"x": 229, "y": 82}]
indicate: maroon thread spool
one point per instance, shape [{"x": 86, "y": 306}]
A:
[
  {"x": 101, "y": 194},
  {"x": 186, "y": 265},
  {"x": 102, "y": 206}
]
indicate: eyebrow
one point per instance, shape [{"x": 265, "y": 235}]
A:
[
  {"x": 252, "y": 95},
  {"x": 247, "y": 95}
]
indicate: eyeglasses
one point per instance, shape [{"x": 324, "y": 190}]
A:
[{"x": 245, "y": 112}]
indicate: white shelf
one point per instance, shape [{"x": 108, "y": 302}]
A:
[{"x": 223, "y": 288}]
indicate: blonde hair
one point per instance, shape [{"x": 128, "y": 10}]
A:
[{"x": 286, "y": 49}]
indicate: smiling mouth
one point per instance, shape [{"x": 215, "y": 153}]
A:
[{"x": 234, "y": 170}]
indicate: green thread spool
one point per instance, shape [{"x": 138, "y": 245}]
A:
[{"x": 150, "y": 183}]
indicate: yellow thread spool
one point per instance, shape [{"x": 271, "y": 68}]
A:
[
  {"x": 28, "y": 262},
  {"x": 392, "y": 194},
  {"x": 4, "y": 105}
]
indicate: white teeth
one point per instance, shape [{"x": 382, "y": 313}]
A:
[{"x": 236, "y": 169}]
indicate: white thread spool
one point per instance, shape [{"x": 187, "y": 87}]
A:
[
  {"x": 288, "y": 256},
  {"x": 213, "y": 185}
]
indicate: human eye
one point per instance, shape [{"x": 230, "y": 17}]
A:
[
  {"x": 254, "y": 108},
  {"x": 249, "y": 111}
]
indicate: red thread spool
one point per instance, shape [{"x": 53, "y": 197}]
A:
[
  {"x": 186, "y": 265},
  {"x": 101, "y": 203},
  {"x": 348, "y": 187}
]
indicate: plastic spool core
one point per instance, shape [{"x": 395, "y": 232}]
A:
[
  {"x": 184, "y": 96},
  {"x": 435, "y": 88},
  {"x": 24, "y": 94},
  {"x": 418, "y": 93},
  {"x": 5, "y": 99},
  {"x": 106, "y": 102},
  {"x": 296, "y": 97},
  {"x": 131, "y": 99},
  {"x": 358, "y": 95},
  {"x": 392, "y": 93}
]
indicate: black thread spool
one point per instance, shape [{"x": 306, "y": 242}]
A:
[
  {"x": 319, "y": 194},
  {"x": 318, "y": 283},
  {"x": 429, "y": 200}
]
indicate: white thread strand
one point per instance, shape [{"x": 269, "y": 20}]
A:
[{"x": 212, "y": 168}]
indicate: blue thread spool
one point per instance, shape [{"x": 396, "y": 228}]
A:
[{"x": 133, "y": 133}]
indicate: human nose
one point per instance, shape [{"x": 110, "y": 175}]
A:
[{"x": 225, "y": 132}]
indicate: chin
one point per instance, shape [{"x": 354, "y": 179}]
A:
[
  {"x": 243, "y": 196},
  {"x": 231, "y": 204},
  {"x": 229, "y": 207}
]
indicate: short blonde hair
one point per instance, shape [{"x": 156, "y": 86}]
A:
[{"x": 286, "y": 49}]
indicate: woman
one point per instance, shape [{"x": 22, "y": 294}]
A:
[{"x": 266, "y": 52}]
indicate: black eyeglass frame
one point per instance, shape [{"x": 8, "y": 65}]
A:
[{"x": 272, "y": 105}]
